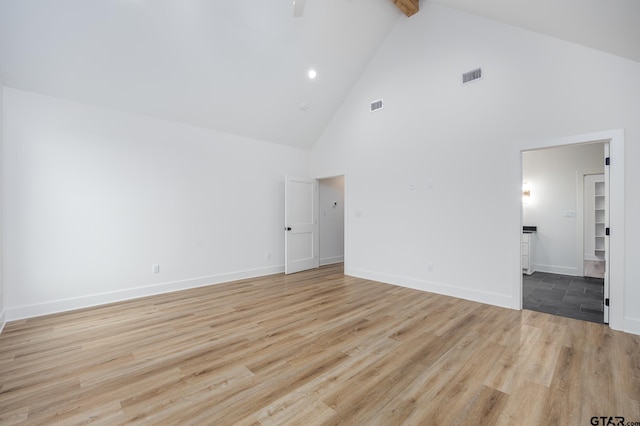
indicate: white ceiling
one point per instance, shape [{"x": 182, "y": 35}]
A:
[
  {"x": 612, "y": 26},
  {"x": 240, "y": 65}
]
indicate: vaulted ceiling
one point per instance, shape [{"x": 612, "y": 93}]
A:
[
  {"x": 241, "y": 66},
  {"x": 612, "y": 26}
]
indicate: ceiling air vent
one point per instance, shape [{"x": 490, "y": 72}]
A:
[
  {"x": 470, "y": 76},
  {"x": 375, "y": 105}
]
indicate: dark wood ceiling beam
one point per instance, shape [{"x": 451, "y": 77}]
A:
[{"x": 408, "y": 7}]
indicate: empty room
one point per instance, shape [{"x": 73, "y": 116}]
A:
[{"x": 275, "y": 212}]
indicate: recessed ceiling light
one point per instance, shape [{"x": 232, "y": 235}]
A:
[{"x": 312, "y": 74}]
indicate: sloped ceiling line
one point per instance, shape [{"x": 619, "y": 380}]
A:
[{"x": 241, "y": 67}]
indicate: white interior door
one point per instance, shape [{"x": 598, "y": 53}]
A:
[{"x": 301, "y": 244}]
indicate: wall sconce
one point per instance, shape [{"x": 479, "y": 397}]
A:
[{"x": 526, "y": 193}]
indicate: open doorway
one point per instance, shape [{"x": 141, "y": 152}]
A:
[
  {"x": 565, "y": 213},
  {"x": 331, "y": 220}
]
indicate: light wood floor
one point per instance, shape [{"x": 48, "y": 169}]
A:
[{"x": 314, "y": 348}]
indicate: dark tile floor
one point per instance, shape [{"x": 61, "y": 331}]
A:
[{"x": 573, "y": 297}]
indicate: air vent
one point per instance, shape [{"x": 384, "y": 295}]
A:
[
  {"x": 470, "y": 76},
  {"x": 376, "y": 105}
]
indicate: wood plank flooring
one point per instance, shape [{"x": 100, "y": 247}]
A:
[{"x": 314, "y": 348}]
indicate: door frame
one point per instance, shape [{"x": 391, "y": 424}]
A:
[
  {"x": 615, "y": 269},
  {"x": 321, "y": 208},
  {"x": 346, "y": 214}
]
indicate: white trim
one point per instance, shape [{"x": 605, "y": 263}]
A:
[
  {"x": 331, "y": 260},
  {"x": 64, "y": 305},
  {"x": 433, "y": 287},
  {"x": 589, "y": 256},
  {"x": 347, "y": 226},
  {"x": 3, "y": 320},
  {"x": 631, "y": 325},
  {"x": 553, "y": 269},
  {"x": 616, "y": 256}
]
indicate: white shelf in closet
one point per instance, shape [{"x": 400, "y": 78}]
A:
[{"x": 600, "y": 226}]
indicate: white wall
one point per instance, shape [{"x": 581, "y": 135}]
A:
[
  {"x": 331, "y": 220},
  {"x": 552, "y": 174},
  {"x": 94, "y": 197},
  {"x": 460, "y": 147}
]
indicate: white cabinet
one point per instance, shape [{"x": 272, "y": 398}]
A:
[{"x": 528, "y": 252}]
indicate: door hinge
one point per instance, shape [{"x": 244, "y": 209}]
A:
[
  {"x": 606, "y": 231},
  {"x": 606, "y": 302},
  {"x": 607, "y": 161}
]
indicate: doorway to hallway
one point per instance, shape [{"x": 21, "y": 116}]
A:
[
  {"x": 331, "y": 218},
  {"x": 566, "y": 206}
]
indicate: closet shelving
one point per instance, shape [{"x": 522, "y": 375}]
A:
[{"x": 600, "y": 201}]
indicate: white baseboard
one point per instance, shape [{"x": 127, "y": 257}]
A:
[
  {"x": 552, "y": 269},
  {"x": 629, "y": 325},
  {"x": 592, "y": 257},
  {"x": 331, "y": 260},
  {"x": 439, "y": 288},
  {"x": 3, "y": 320},
  {"x": 64, "y": 305}
]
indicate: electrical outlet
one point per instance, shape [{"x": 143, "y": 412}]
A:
[
  {"x": 155, "y": 269},
  {"x": 268, "y": 256},
  {"x": 429, "y": 267}
]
